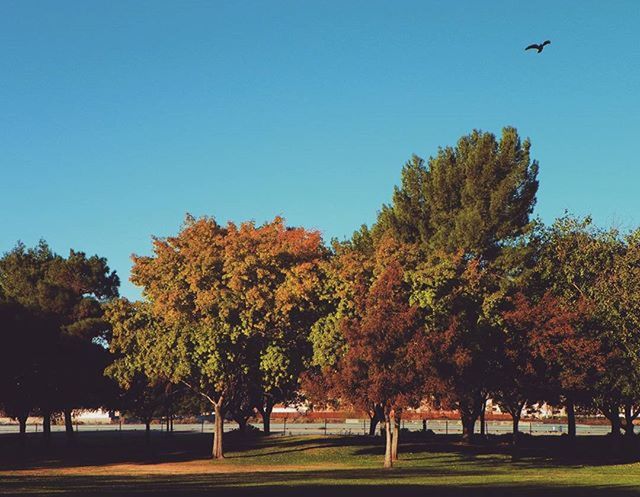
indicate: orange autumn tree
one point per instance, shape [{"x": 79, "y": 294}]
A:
[{"x": 237, "y": 303}]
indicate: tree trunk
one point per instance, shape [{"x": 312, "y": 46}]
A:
[
  {"x": 482, "y": 418},
  {"x": 469, "y": 412},
  {"x": 265, "y": 412},
  {"x": 515, "y": 410},
  {"x": 468, "y": 427},
  {"x": 516, "y": 422},
  {"x": 571, "y": 418},
  {"x": 616, "y": 425},
  {"x": 22, "y": 420},
  {"x": 396, "y": 437},
  {"x": 373, "y": 422},
  {"x": 266, "y": 422},
  {"x": 611, "y": 411},
  {"x": 147, "y": 428},
  {"x": 628, "y": 418},
  {"x": 388, "y": 462},
  {"x": 218, "y": 431},
  {"x": 68, "y": 423},
  {"x": 378, "y": 417},
  {"x": 242, "y": 423},
  {"x": 46, "y": 425}
]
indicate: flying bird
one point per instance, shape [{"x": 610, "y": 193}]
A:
[{"x": 540, "y": 47}]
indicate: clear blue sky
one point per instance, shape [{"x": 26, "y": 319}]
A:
[{"x": 118, "y": 117}]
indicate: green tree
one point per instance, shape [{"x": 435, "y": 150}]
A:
[
  {"x": 231, "y": 306},
  {"x": 460, "y": 301},
  {"x": 616, "y": 298},
  {"x": 574, "y": 259},
  {"x": 349, "y": 269},
  {"x": 467, "y": 210},
  {"x": 67, "y": 294},
  {"x": 472, "y": 197},
  {"x": 25, "y": 357}
]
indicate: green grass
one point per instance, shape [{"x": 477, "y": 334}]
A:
[{"x": 100, "y": 464}]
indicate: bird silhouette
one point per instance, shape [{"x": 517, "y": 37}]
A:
[{"x": 540, "y": 47}]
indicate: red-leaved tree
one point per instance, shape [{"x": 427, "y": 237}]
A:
[
  {"x": 380, "y": 365},
  {"x": 552, "y": 351}
]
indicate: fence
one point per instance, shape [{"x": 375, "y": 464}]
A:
[{"x": 333, "y": 427}]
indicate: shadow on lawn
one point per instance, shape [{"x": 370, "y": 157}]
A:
[
  {"x": 101, "y": 448},
  {"x": 534, "y": 450},
  {"x": 105, "y": 448},
  {"x": 285, "y": 484},
  {"x": 539, "y": 451}
]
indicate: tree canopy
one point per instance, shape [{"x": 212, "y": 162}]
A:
[
  {"x": 472, "y": 197},
  {"x": 62, "y": 330},
  {"x": 232, "y": 308}
]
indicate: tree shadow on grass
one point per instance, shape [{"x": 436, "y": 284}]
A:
[
  {"x": 282, "y": 445},
  {"x": 285, "y": 484},
  {"x": 538, "y": 451},
  {"x": 101, "y": 449}
]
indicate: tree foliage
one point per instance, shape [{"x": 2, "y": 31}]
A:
[
  {"x": 471, "y": 197},
  {"x": 234, "y": 306},
  {"x": 61, "y": 302},
  {"x": 380, "y": 366}
]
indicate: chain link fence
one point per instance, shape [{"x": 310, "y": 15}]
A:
[{"x": 331, "y": 427}]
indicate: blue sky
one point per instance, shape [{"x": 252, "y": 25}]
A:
[{"x": 119, "y": 117}]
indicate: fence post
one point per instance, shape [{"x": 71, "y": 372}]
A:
[
  {"x": 284, "y": 426},
  {"x": 446, "y": 426}
]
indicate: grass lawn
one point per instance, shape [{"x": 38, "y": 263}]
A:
[{"x": 124, "y": 464}]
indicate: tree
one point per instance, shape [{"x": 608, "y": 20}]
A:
[
  {"x": 521, "y": 378},
  {"x": 230, "y": 303},
  {"x": 467, "y": 210},
  {"x": 66, "y": 294},
  {"x": 459, "y": 299},
  {"x": 616, "y": 296},
  {"x": 380, "y": 365},
  {"x": 576, "y": 261},
  {"x": 346, "y": 274},
  {"x": 544, "y": 351},
  {"x": 143, "y": 400},
  {"x": 471, "y": 197},
  {"x": 24, "y": 361}
]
